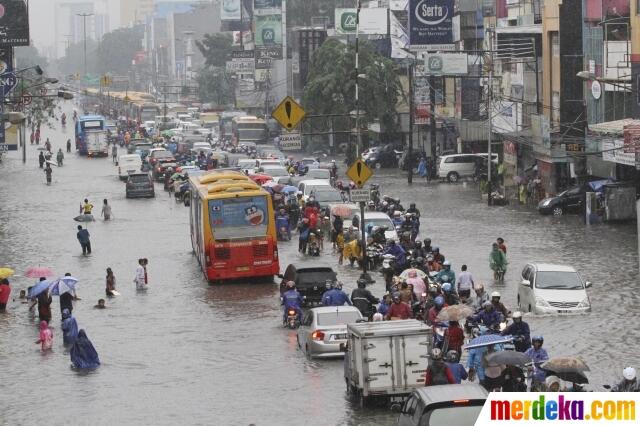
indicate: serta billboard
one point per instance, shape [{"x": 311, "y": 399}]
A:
[{"x": 431, "y": 25}]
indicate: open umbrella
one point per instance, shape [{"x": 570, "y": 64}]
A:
[
  {"x": 63, "y": 285},
  {"x": 487, "y": 340},
  {"x": 508, "y": 358},
  {"x": 53, "y": 163},
  {"x": 572, "y": 377},
  {"x": 565, "y": 365},
  {"x": 271, "y": 184},
  {"x": 260, "y": 179},
  {"x": 405, "y": 274},
  {"x": 84, "y": 218},
  {"x": 40, "y": 287},
  {"x": 341, "y": 210},
  {"x": 455, "y": 313},
  {"x": 289, "y": 189},
  {"x": 6, "y": 273},
  {"x": 39, "y": 271}
]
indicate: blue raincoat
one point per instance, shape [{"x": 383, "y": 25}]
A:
[
  {"x": 69, "y": 328},
  {"x": 83, "y": 354},
  {"x": 335, "y": 297}
]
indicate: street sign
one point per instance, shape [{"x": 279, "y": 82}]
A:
[
  {"x": 446, "y": 63},
  {"x": 360, "y": 195},
  {"x": 290, "y": 141},
  {"x": 359, "y": 172},
  {"x": 8, "y": 81},
  {"x": 26, "y": 99},
  {"x": 288, "y": 113}
]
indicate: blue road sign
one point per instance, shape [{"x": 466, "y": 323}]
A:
[{"x": 8, "y": 81}]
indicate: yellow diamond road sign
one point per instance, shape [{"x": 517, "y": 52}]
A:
[
  {"x": 288, "y": 113},
  {"x": 359, "y": 172}
]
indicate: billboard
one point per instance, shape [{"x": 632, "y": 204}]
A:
[
  {"x": 431, "y": 25},
  {"x": 268, "y": 30},
  {"x": 230, "y": 10},
  {"x": 14, "y": 23},
  {"x": 267, "y": 7},
  {"x": 446, "y": 63},
  {"x": 372, "y": 21}
]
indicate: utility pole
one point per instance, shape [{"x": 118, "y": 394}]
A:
[
  {"x": 358, "y": 139},
  {"x": 432, "y": 120},
  {"x": 84, "y": 17},
  {"x": 409, "y": 159},
  {"x": 490, "y": 118}
]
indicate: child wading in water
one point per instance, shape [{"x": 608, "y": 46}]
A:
[{"x": 46, "y": 336}]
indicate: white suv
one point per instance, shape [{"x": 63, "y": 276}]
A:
[
  {"x": 553, "y": 289},
  {"x": 455, "y": 166}
]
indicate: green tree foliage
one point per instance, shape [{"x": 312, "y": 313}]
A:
[
  {"x": 216, "y": 49},
  {"x": 330, "y": 85},
  {"x": 215, "y": 86},
  {"x": 118, "y": 48},
  {"x": 73, "y": 61}
]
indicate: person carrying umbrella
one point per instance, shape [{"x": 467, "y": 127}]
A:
[
  {"x": 5, "y": 291},
  {"x": 69, "y": 328},
  {"x": 41, "y": 297},
  {"x": 66, "y": 298},
  {"x": 489, "y": 376}
]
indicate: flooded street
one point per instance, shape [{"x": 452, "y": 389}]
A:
[{"x": 186, "y": 352}]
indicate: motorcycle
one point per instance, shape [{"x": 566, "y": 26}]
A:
[
  {"x": 292, "y": 322},
  {"x": 388, "y": 269},
  {"x": 374, "y": 251},
  {"x": 283, "y": 234},
  {"x": 313, "y": 248}
]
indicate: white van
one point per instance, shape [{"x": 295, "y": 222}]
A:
[
  {"x": 456, "y": 166},
  {"x": 128, "y": 163}
]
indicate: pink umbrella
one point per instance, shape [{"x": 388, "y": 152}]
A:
[{"x": 39, "y": 271}]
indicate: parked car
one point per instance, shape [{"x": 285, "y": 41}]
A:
[
  {"x": 310, "y": 280},
  {"x": 569, "y": 201},
  {"x": 128, "y": 163},
  {"x": 451, "y": 405},
  {"x": 553, "y": 289},
  {"x": 140, "y": 185},
  {"x": 323, "y": 332},
  {"x": 386, "y": 156}
]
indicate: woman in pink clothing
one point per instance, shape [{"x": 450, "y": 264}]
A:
[
  {"x": 419, "y": 286},
  {"x": 46, "y": 336}
]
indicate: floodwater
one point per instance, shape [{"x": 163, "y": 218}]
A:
[{"x": 186, "y": 352}]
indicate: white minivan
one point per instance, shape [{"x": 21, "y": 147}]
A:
[
  {"x": 455, "y": 166},
  {"x": 128, "y": 163},
  {"x": 553, "y": 289}
]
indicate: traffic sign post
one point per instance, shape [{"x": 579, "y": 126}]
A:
[
  {"x": 359, "y": 173},
  {"x": 288, "y": 113}
]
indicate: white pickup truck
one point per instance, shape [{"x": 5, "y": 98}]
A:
[
  {"x": 386, "y": 359},
  {"x": 97, "y": 144}
]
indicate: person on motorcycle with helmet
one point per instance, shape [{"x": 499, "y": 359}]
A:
[
  {"x": 398, "y": 309},
  {"x": 488, "y": 316},
  {"x": 538, "y": 355},
  {"x": 438, "y": 304},
  {"x": 292, "y": 299},
  {"x": 371, "y": 206},
  {"x": 432, "y": 265},
  {"x": 497, "y": 304},
  {"x": 397, "y": 219},
  {"x": 450, "y": 298},
  {"x": 520, "y": 331},
  {"x": 414, "y": 210},
  {"x": 457, "y": 369},
  {"x": 454, "y": 337},
  {"x": 398, "y": 253},
  {"x": 427, "y": 246},
  {"x": 363, "y": 299},
  {"x": 283, "y": 225},
  {"x": 629, "y": 382},
  {"x": 418, "y": 251},
  {"x": 446, "y": 275},
  {"x": 437, "y": 256},
  {"x": 335, "y": 296},
  {"x": 438, "y": 372},
  {"x": 497, "y": 261}
]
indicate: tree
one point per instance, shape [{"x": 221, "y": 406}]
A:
[
  {"x": 216, "y": 49},
  {"x": 29, "y": 56},
  {"x": 73, "y": 61},
  {"x": 118, "y": 48},
  {"x": 330, "y": 85},
  {"x": 215, "y": 86}
]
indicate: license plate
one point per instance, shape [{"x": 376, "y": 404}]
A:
[
  {"x": 242, "y": 269},
  {"x": 339, "y": 337},
  {"x": 564, "y": 312}
]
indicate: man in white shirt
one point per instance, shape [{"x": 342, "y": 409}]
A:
[
  {"x": 140, "y": 276},
  {"x": 464, "y": 283}
]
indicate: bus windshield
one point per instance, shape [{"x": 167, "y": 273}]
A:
[{"x": 242, "y": 217}]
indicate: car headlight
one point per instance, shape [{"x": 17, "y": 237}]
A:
[
  {"x": 546, "y": 202},
  {"x": 541, "y": 302},
  {"x": 585, "y": 303}
]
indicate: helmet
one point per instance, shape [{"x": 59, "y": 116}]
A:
[
  {"x": 446, "y": 263},
  {"x": 371, "y": 203},
  {"x": 391, "y": 242},
  {"x": 435, "y": 248},
  {"x": 446, "y": 287},
  {"x": 537, "y": 339},
  {"x": 419, "y": 260},
  {"x": 412, "y": 205},
  {"x": 453, "y": 356},
  {"x": 487, "y": 304},
  {"x": 395, "y": 296},
  {"x": 291, "y": 284},
  {"x": 408, "y": 214},
  {"x": 436, "y": 353},
  {"x": 377, "y": 317},
  {"x": 299, "y": 193},
  {"x": 629, "y": 373},
  {"x": 495, "y": 294},
  {"x": 517, "y": 314},
  {"x": 439, "y": 301},
  {"x": 397, "y": 213},
  {"x": 329, "y": 284},
  {"x": 433, "y": 289},
  {"x": 418, "y": 244},
  {"x": 362, "y": 283},
  {"x": 430, "y": 258},
  {"x": 479, "y": 286},
  {"x": 550, "y": 380}
]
